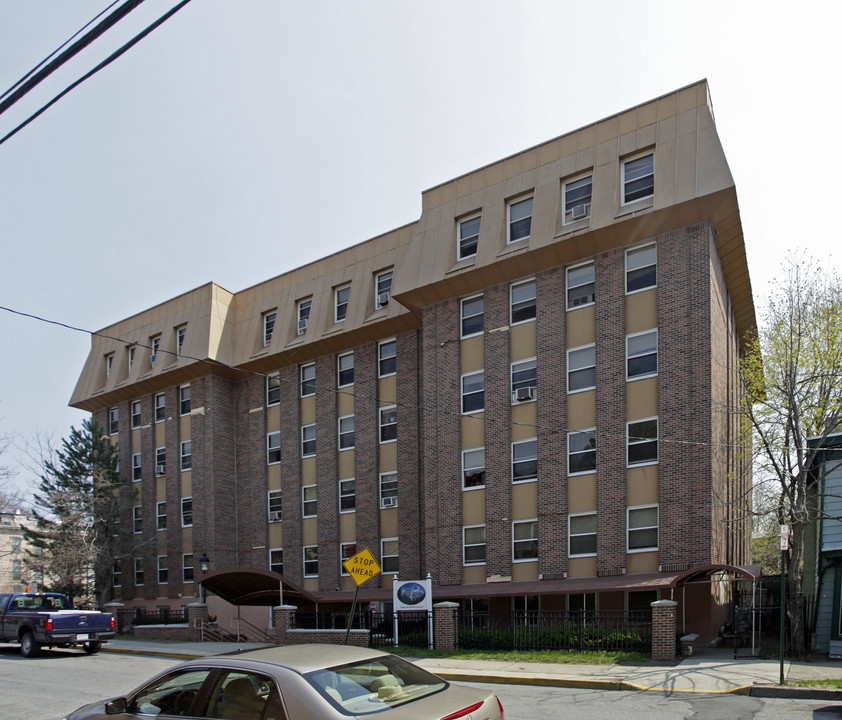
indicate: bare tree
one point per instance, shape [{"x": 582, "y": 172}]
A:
[{"x": 792, "y": 371}]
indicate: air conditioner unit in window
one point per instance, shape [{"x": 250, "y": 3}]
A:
[
  {"x": 383, "y": 299},
  {"x": 577, "y": 212},
  {"x": 523, "y": 394},
  {"x": 302, "y": 326},
  {"x": 161, "y": 469},
  {"x": 389, "y": 502},
  {"x": 274, "y": 516}
]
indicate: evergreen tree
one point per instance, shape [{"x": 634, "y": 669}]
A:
[{"x": 76, "y": 509}]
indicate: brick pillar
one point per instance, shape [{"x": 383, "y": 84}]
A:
[
  {"x": 446, "y": 626},
  {"x": 663, "y": 630},
  {"x": 284, "y": 616},
  {"x": 197, "y": 616}
]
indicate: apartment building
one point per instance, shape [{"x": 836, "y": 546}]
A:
[
  {"x": 14, "y": 577},
  {"x": 525, "y": 393}
]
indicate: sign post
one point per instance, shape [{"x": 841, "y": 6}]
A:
[
  {"x": 784, "y": 548},
  {"x": 414, "y": 595},
  {"x": 361, "y": 567}
]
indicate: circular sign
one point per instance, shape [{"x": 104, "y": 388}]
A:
[{"x": 411, "y": 593}]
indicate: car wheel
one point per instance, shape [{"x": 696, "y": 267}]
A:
[
  {"x": 28, "y": 646},
  {"x": 92, "y": 647}
]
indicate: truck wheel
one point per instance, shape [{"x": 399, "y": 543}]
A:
[
  {"x": 28, "y": 646},
  {"x": 92, "y": 647}
]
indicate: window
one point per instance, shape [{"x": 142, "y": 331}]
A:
[
  {"x": 303, "y": 315},
  {"x": 346, "y": 552},
  {"x": 184, "y": 400},
  {"x": 388, "y": 424},
  {"x": 582, "y": 535},
  {"x": 273, "y": 389},
  {"x": 113, "y": 420},
  {"x": 382, "y": 289},
  {"x": 308, "y": 440},
  {"x": 581, "y": 368},
  {"x": 473, "y": 545},
  {"x": 160, "y": 407},
  {"x": 524, "y": 460},
  {"x": 137, "y": 470},
  {"x": 268, "y": 327},
  {"x": 276, "y": 560},
  {"x": 180, "y": 334},
  {"x": 154, "y": 344},
  {"x": 389, "y": 555},
  {"x": 347, "y": 495},
  {"x": 642, "y": 355},
  {"x": 523, "y": 306},
  {"x": 273, "y": 448},
  {"x": 311, "y": 560},
  {"x": 275, "y": 505},
  {"x": 643, "y": 442},
  {"x": 17, "y": 541},
  {"x": 524, "y": 380},
  {"x": 308, "y": 380},
  {"x": 187, "y": 567},
  {"x": 341, "y": 296},
  {"x": 388, "y": 490},
  {"x": 131, "y": 358},
  {"x": 468, "y": 231},
  {"x": 473, "y": 316},
  {"x": 346, "y": 432},
  {"x": 581, "y": 452},
  {"x": 643, "y": 528},
  {"x": 309, "y": 504},
  {"x": 580, "y": 286},
  {"x": 473, "y": 392},
  {"x": 138, "y": 571},
  {"x": 638, "y": 178},
  {"x": 577, "y": 199},
  {"x": 345, "y": 369},
  {"x": 581, "y": 602},
  {"x": 641, "y": 268},
  {"x": 162, "y": 570},
  {"x": 161, "y": 512},
  {"x": 117, "y": 574},
  {"x": 519, "y": 220},
  {"x": 186, "y": 455},
  {"x": 137, "y": 519},
  {"x": 160, "y": 461},
  {"x": 387, "y": 358},
  {"x": 109, "y": 365},
  {"x": 187, "y": 512},
  {"x": 473, "y": 468},
  {"x": 524, "y": 540}
]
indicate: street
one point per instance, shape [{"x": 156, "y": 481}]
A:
[{"x": 48, "y": 687}]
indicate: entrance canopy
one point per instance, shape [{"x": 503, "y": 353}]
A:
[{"x": 254, "y": 586}]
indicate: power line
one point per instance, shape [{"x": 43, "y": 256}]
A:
[{"x": 105, "y": 63}]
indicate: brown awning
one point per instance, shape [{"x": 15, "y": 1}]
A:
[{"x": 254, "y": 586}]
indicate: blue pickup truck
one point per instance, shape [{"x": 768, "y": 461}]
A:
[{"x": 38, "y": 619}]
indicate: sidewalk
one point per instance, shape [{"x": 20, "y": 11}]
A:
[{"x": 709, "y": 672}]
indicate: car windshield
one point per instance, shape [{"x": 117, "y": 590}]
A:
[{"x": 372, "y": 686}]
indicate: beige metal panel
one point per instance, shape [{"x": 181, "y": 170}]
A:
[
  {"x": 161, "y": 489},
  {"x": 473, "y": 507},
  {"x": 473, "y": 574},
  {"x": 388, "y": 524},
  {"x": 642, "y": 485},
  {"x": 308, "y": 409},
  {"x": 160, "y": 433},
  {"x": 642, "y": 398},
  {"x": 642, "y": 311},
  {"x": 186, "y": 485},
  {"x": 581, "y": 567},
  {"x": 581, "y": 328},
  {"x": 308, "y": 469},
  {"x": 273, "y": 477},
  {"x": 273, "y": 418},
  {"x": 347, "y": 527},
  {"x": 581, "y": 410},
  {"x": 473, "y": 431},
  {"x": 346, "y": 464},
  {"x": 389, "y": 453},
  {"x": 525, "y": 571},
  {"x": 523, "y": 342},
  {"x": 524, "y": 500},
  {"x": 473, "y": 354},
  {"x": 524, "y": 421},
  {"x": 276, "y": 535},
  {"x": 581, "y": 493},
  {"x": 345, "y": 400},
  {"x": 387, "y": 392},
  {"x": 642, "y": 562},
  {"x": 186, "y": 540},
  {"x": 309, "y": 531}
]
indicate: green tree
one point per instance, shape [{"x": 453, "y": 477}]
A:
[
  {"x": 792, "y": 372},
  {"x": 76, "y": 510}
]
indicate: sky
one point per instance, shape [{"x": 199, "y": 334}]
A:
[{"x": 243, "y": 139}]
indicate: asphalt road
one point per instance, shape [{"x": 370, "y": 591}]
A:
[{"x": 48, "y": 687}]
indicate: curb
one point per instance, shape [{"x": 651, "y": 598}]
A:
[{"x": 795, "y": 693}]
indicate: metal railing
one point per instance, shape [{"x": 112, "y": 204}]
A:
[{"x": 127, "y": 618}]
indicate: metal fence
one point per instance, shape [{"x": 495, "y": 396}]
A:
[
  {"x": 413, "y": 627},
  {"x": 610, "y": 631},
  {"x": 127, "y": 618}
]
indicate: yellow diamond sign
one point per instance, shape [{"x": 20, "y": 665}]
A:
[{"x": 362, "y": 566}]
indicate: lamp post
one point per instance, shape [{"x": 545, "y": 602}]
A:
[{"x": 204, "y": 564}]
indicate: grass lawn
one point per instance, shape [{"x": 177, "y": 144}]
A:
[{"x": 534, "y": 656}]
